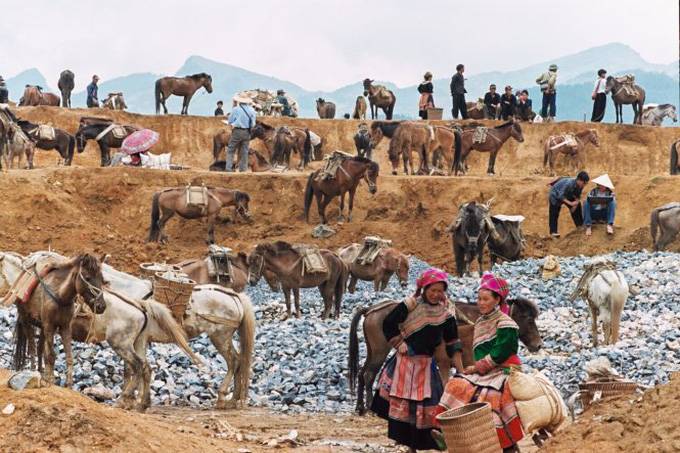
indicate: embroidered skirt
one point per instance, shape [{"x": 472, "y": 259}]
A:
[{"x": 409, "y": 420}]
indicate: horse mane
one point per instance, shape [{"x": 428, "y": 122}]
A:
[
  {"x": 26, "y": 123},
  {"x": 664, "y": 106},
  {"x": 526, "y": 305},
  {"x": 265, "y": 125},
  {"x": 88, "y": 261},
  {"x": 388, "y": 127},
  {"x": 373, "y": 165},
  {"x": 281, "y": 246},
  {"x": 506, "y": 124},
  {"x": 241, "y": 196},
  {"x": 199, "y": 76}
]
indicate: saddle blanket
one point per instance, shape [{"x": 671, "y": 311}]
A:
[
  {"x": 117, "y": 130},
  {"x": 43, "y": 132},
  {"x": 219, "y": 264},
  {"x": 371, "y": 249},
  {"x": 312, "y": 260},
  {"x": 567, "y": 140},
  {"x": 509, "y": 218},
  {"x": 332, "y": 164},
  {"x": 23, "y": 287},
  {"x": 479, "y": 135},
  {"x": 197, "y": 196}
]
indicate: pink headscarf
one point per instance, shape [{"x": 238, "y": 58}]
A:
[
  {"x": 430, "y": 276},
  {"x": 498, "y": 286}
]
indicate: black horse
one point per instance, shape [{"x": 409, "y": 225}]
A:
[
  {"x": 63, "y": 142},
  {"x": 65, "y": 85},
  {"x": 469, "y": 235},
  {"x": 362, "y": 142},
  {"x": 506, "y": 241},
  {"x": 90, "y": 131}
]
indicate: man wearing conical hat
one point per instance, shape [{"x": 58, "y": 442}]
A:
[{"x": 600, "y": 205}]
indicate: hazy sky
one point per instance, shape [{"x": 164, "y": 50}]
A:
[{"x": 323, "y": 44}]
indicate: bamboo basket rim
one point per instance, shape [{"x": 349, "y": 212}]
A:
[{"x": 473, "y": 409}]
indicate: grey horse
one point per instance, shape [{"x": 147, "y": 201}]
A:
[
  {"x": 469, "y": 235},
  {"x": 666, "y": 219}
]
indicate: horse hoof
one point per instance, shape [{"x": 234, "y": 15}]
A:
[
  {"x": 298, "y": 315},
  {"x": 125, "y": 403},
  {"x": 394, "y": 173},
  {"x": 341, "y": 218},
  {"x": 225, "y": 405},
  {"x": 141, "y": 407}
]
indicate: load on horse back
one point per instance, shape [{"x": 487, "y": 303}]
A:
[
  {"x": 665, "y": 219},
  {"x": 469, "y": 233},
  {"x": 194, "y": 202},
  {"x": 349, "y": 172},
  {"x": 523, "y": 311},
  {"x": 485, "y": 139},
  {"x": 286, "y": 141},
  {"x": 624, "y": 90},
  {"x": 180, "y": 86},
  {"x": 105, "y": 132},
  {"x": 379, "y": 97},
  {"x": 506, "y": 241},
  {"x": 571, "y": 145},
  {"x": 66, "y": 84},
  {"x": 374, "y": 261},
  {"x": 325, "y": 109},
  {"x": 47, "y": 137},
  {"x": 115, "y": 101},
  {"x": 654, "y": 114},
  {"x": 34, "y": 95}
]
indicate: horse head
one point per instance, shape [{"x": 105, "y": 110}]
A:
[
  {"x": 256, "y": 261},
  {"x": 371, "y": 174},
  {"x": 242, "y": 200},
  {"x": 473, "y": 225},
  {"x": 516, "y": 131},
  {"x": 402, "y": 270},
  {"x": 524, "y": 312},
  {"x": 376, "y": 134},
  {"x": 89, "y": 282},
  {"x": 671, "y": 112},
  {"x": 611, "y": 84},
  {"x": 594, "y": 138}
]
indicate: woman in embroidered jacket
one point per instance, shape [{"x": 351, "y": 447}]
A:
[
  {"x": 495, "y": 345},
  {"x": 410, "y": 386},
  {"x": 426, "y": 100}
]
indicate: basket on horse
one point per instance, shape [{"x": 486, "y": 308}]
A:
[
  {"x": 173, "y": 289},
  {"x": 371, "y": 249},
  {"x": 149, "y": 270}
]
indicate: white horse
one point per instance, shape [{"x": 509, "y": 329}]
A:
[
  {"x": 654, "y": 114},
  {"x": 10, "y": 268}
]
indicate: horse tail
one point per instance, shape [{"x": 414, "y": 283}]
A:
[
  {"x": 353, "y": 359},
  {"x": 341, "y": 284},
  {"x": 309, "y": 195},
  {"x": 546, "y": 152},
  {"x": 154, "y": 228},
  {"x": 71, "y": 146},
  {"x": 162, "y": 315},
  {"x": 279, "y": 149},
  {"x": 246, "y": 335},
  {"x": 674, "y": 158},
  {"x": 457, "y": 146},
  {"x": 653, "y": 225},
  {"x": 307, "y": 148},
  {"x": 20, "y": 344},
  {"x": 158, "y": 96}
]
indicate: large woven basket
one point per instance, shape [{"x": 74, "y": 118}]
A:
[
  {"x": 607, "y": 389},
  {"x": 149, "y": 270},
  {"x": 173, "y": 289},
  {"x": 470, "y": 429}
]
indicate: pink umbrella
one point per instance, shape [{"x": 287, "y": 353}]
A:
[{"x": 139, "y": 141}]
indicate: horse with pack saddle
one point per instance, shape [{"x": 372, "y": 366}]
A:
[
  {"x": 47, "y": 137},
  {"x": 375, "y": 261},
  {"x": 114, "y": 101},
  {"x": 571, "y": 145},
  {"x": 379, "y": 97},
  {"x": 301, "y": 266},
  {"x": 483, "y": 139},
  {"x": 624, "y": 90},
  {"x": 14, "y": 142},
  {"x": 194, "y": 202},
  {"x": 34, "y": 96},
  {"x": 105, "y": 132},
  {"x": 664, "y": 225}
]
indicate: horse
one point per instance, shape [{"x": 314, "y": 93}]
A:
[
  {"x": 495, "y": 138},
  {"x": 325, "y": 109},
  {"x": 362, "y": 143},
  {"x": 359, "y": 112},
  {"x": 256, "y": 162},
  {"x": 388, "y": 262},
  {"x": 506, "y": 241},
  {"x": 667, "y": 220},
  {"x": 476, "y": 110},
  {"x": 34, "y": 95},
  {"x": 350, "y": 172},
  {"x": 675, "y": 168},
  {"x": 51, "y": 308},
  {"x": 115, "y": 101},
  {"x": 410, "y": 137},
  {"x": 560, "y": 144},
  {"x": 287, "y": 264},
  {"x": 287, "y": 141},
  {"x": 166, "y": 203},
  {"x": 220, "y": 142},
  {"x": 381, "y": 129},
  {"x": 63, "y": 142},
  {"x": 379, "y": 97},
  {"x": 180, "y": 86},
  {"x": 267, "y": 134},
  {"x": 102, "y": 131},
  {"x": 443, "y": 144},
  {"x": 66, "y": 84},
  {"x": 634, "y": 95},
  {"x": 523, "y": 311},
  {"x": 469, "y": 234},
  {"x": 653, "y": 115},
  {"x": 19, "y": 146}
]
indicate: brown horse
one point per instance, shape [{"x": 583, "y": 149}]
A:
[
  {"x": 359, "y": 108},
  {"x": 495, "y": 138},
  {"x": 166, "y": 203},
  {"x": 346, "y": 179},
  {"x": 621, "y": 94},
  {"x": 19, "y": 145},
  {"x": 556, "y": 144},
  {"x": 389, "y": 261},
  {"x": 66, "y": 84},
  {"x": 325, "y": 109},
  {"x": 199, "y": 271},
  {"x": 411, "y": 137},
  {"x": 180, "y": 86},
  {"x": 286, "y": 263},
  {"x": 34, "y": 95},
  {"x": 379, "y": 97},
  {"x": 51, "y": 308},
  {"x": 268, "y": 134},
  {"x": 256, "y": 162},
  {"x": 63, "y": 142},
  {"x": 92, "y": 128},
  {"x": 523, "y": 311},
  {"x": 220, "y": 142},
  {"x": 287, "y": 141},
  {"x": 115, "y": 101}
]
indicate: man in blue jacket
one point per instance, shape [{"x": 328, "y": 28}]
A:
[
  {"x": 92, "y": 98},
  {"x": 566, "y": 191}
]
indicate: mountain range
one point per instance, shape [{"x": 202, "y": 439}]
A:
[{"x": 577, "y": 73}]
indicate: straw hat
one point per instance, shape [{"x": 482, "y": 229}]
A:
[
  {"x": 550, "y": 268},
  {"x": 604, "y": 181},
  {"x": 242, "y": 99}
]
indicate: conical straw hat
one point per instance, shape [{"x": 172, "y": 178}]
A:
[{"x": 604, "y": 181}]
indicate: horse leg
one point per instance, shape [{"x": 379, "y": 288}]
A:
[
  {"x": 225, "y": 347},
  {"x": 351, "y": 203},
  {"x": 322, "y": 207},
  {"x": 480, "y": 256},
  {"x": 145, "y": 381},
  {"x": 593, "y": 327},
  {"x": 352, "y": 284},
  {"x": 298, "y": 312},
  {"x": 286, "y": 296},
  {"x": 50, "y": 356},
  {"x": 163, "y": 98},
  {"x": 341, "y": 218},
  {"x": 105, "y": 159},
  {"x": 133, "y": 367},
  {"x": 165, "y": 216},
  {"x": 327, "y": 296},
  {"x": 212, "y": 219},
  {"x": 492, "y": 163},
  {"x": 66, "y": 339}
]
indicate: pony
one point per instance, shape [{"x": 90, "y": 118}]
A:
[
  {"x": 556, "y": 144},
  {"x": 325, "y": 109},
  {"x": 505, "y": 241},
  {"x": 379, "y": 97},
  {"x": 359, "y": 112},
  {"x": 495, "y": 138},
  {"x": 19, "y": 146},
  {"x": 63, "y": 142},
  {"x": 101, "y": 131},
  {"x": 115, "y": 101},
  {"x": 34, "y": 95},
  {"x": 675, "y": 169},
  {"x": 347, "y": 177},
  {"x": 666, "y": 219},
  {"x": 285, "y": 142},
  {"x": 653, "y": 114},
  {"x": 523, "y": 311},
  {"x": 634, "y": 95},
  {"x": 286, "y": 264},
  {"x": 256, "y": 162},
  {"x": 387, "y": 263},
  {"x": 469, "y": 234},
  {"x": 180, "y": 86},
  {"x": 166, "y": 203},
  {"x": 410, "y": 137},
  {"x": 66, "y": 84},
  {"x": 268, "y": 133}
]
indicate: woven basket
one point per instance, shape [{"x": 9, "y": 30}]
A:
[
  {"x": 608, "y": 389},
  {"x": 149, "y": 270},
  {"x": 470, "y": 428},
  {"x": 173, "y": 289},
  {"x": 435, "y": 113}
]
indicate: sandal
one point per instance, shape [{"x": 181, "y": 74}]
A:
[{"x": 439, "y": 439}]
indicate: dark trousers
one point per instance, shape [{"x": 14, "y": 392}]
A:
[
  {"x": 554, "y": 216},
  {"x": 548, "y": 109},
  {"x": 599, "y": 106},
  {"x": 459, "y": 106}
]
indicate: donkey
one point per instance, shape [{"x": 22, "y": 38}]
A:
[
  {"x": 667, "y": 220},
  {"x": 180, "y": 86},
  {"x": 469, "y": 235},
  {"x": 523, "y": 311},
  {"x": 388, "y": 262}
]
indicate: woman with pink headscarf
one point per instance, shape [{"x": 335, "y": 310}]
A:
[
  {"x": 494, "y": 346},
  {"x": 409, "y": 387}
]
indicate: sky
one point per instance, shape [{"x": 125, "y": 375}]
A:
[{"x": 323, "y": 44}]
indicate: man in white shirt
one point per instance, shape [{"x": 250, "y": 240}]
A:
[{"x": 599, "y": 96}]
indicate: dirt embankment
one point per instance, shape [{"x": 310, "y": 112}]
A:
[{"x": 623, "y": 150}]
